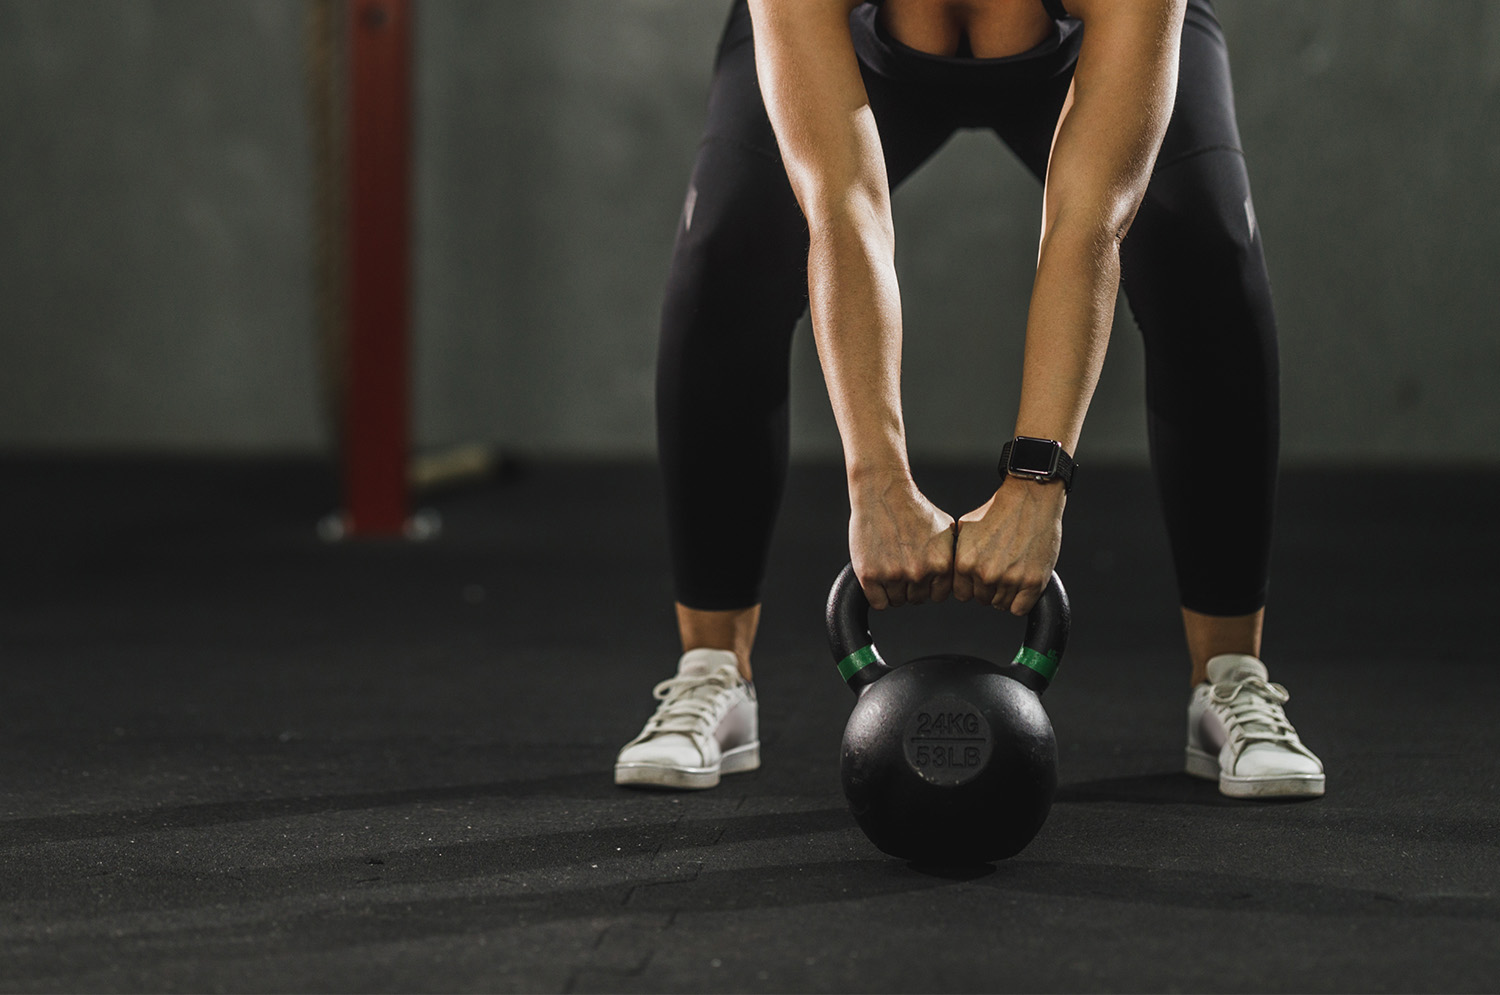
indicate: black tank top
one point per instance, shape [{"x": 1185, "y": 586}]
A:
[
  {"x": 1054, "y": 9},
  {"x": 889, "y": 57}
]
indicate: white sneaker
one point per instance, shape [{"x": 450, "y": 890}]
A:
[
  {"x": 706, "y": 725},
  {"x": 1239, "y": 735}
]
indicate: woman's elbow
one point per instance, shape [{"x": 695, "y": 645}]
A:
[
  {"x": 837, "y": 210},
  {"x": 1095, "y": 232}
]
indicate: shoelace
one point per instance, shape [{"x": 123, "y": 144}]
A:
[
  {"x": 1255, "y": 713},
  {"x": 681, "y": 711}
]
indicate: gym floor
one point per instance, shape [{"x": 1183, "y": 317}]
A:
[{"x": 236, "y": 758}]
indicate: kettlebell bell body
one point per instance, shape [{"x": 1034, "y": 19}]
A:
[{"x": 948, "y": 759}]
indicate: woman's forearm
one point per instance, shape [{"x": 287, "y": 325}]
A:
[
  {"x": 856, "y": 317},
  {"x": 1067, "y": 330}
]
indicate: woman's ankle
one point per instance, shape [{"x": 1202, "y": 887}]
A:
[
  {"x": 1209, "y": 636},
  {"x": 732, "y": 630}
]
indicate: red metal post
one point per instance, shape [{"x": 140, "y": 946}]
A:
[{"x": 376, "y": 431}]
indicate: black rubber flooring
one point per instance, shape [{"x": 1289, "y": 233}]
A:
[{"x": 235, "y": 758}]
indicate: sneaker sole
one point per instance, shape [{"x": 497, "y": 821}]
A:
[
  {"x": 736, "y": 761},
  {"x": 1202, "y": 764}
]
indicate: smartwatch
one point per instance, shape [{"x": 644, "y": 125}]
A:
[{"x": 1037, "y": 459}]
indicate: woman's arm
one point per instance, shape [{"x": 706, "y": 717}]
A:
[
  {"x": 1103, "y": 151},
  {"x": 809, "y": 77}
]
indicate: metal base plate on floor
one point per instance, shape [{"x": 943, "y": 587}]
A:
[{"x": 424, "y": 524}]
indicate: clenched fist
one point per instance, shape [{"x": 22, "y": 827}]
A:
[
  {"x": 1007, "y": 547},
  {"x": 901, "y": 544}
]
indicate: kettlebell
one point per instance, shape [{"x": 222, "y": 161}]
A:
[{"x": 948, "y": 759}]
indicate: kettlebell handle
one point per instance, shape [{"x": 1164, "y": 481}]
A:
[{"x": 860, "y": 663}]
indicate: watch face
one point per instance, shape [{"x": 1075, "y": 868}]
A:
[{"x": 1038, "y": 456}]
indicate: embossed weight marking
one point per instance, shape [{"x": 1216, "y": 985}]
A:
[{"x": 948, "y": 741}]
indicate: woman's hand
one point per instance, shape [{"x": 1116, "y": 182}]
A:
[
  {"x": 1007, "y": 547},
  {"x": 901, "y": 544}
]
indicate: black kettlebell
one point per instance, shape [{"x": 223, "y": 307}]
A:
[{"x": 948, "y": 759}]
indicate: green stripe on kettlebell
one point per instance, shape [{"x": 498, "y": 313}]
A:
[
  {"x": 1043, "y": 663},
  {"x": 857, "y": 661}
]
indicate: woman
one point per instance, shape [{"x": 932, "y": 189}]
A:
[{"x": 818, "y": 109}]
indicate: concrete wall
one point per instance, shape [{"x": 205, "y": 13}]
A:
[
  {"x": 154, "y": 230},
  {"x": 154, "y": 204}
]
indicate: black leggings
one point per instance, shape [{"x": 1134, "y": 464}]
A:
[{"x": 1192, "y": 269}]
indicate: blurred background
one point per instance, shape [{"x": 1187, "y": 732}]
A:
[{"x": 157, "y": 290}]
